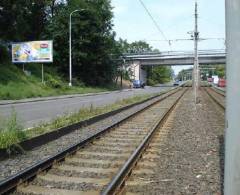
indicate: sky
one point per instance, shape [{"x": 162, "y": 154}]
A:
[{"x": 175, "y": 19}]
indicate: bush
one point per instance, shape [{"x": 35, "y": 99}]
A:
[
  {"x": 54, "y": 83},
  {"x": 151, "y": 82},
  {"x": 77, "y": 82}
]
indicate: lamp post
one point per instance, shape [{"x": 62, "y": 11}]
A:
[{"x": 70, "y": 45}]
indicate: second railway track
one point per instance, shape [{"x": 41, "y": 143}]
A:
[
  {"x": 91, "y": 168},
  {"x": 217, "y": 96}
]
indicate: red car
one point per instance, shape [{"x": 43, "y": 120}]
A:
[{"x": 222, "y": 83}]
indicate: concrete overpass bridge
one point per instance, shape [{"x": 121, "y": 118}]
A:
[{"x": 135, "y": 62}]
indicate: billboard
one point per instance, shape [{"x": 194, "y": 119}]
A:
[{"x": 34, "y": 51}]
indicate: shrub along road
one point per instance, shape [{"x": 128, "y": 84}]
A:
[{"x": 32, "y": 113}]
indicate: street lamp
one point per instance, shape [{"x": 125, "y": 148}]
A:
[{"x": 70, "y": 45}]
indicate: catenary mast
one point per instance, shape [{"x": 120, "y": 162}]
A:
[{"x": 196, "y": 62}]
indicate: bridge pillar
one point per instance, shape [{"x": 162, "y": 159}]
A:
[
  {"x": 232, "y": 155},
  {"x": 134, "y": 68},
  {"x": 137, "y": 72}
]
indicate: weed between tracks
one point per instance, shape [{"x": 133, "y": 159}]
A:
[{"x": 11, "y": 132}]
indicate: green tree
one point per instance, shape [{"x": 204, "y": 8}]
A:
[
  {"x": 92, "y": 40},
  {"x": 220, "y": 71},
  {"x": 22, "y": 20},
  {"x": 134, "y": 47},
  {"x": 161, "y": 74},
  {"x": 210, "y": 70},
  {"x": 185, "y": 73}
]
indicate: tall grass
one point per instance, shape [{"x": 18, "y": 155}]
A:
[{"x": 11, "y": 131}]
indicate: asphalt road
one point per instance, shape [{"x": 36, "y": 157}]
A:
[{"x": 32, "y": 113}]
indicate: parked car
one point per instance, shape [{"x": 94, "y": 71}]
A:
[
  {"x": 221, "y": 83},
  {"x": 138, "y": 84},
  {"x": 210, "y": 80},
  {"x": 215, "y": 79},
  {"x": 176, "y": 83}
]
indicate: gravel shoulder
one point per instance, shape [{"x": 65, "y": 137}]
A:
[{"x": 191, "y": 156}]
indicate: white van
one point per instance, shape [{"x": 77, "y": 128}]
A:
[{"x": 215, "y": 79}]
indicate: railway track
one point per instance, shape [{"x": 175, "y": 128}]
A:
[
  {"x": 217, "y": 96},
  {"x": 146, "y": 166},
  {"x": 95, "y": 165}
]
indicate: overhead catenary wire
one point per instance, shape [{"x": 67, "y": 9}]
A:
[
  {"x": 155, "y": 23},
  {"x": 175, "y": 40},
  {"x": 191, "y": 39}
]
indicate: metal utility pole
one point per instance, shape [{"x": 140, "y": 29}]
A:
[
  {"x": 232, "y": 133},
  {"x": 122, "y": 69},
  {"x": 195, "y": 69}
]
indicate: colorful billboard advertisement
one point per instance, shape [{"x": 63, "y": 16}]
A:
[{"x": 34, "y": 51}]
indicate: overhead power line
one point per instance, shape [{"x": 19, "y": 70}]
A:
[{"x": 155, "y": 23}]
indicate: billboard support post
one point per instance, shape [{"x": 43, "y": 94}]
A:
[{"x": 42, "y": 74}]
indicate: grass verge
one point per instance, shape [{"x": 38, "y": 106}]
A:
[
  {"x": 15, "y": 84},
  {"x": 11, "y": 133}
]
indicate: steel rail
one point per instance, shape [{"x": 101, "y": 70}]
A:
[
  {"x": 214, "y": 99},
  {"x": 12, "y": 182},
  {"x": 119, "y": 180},
  {"x": 219, "y": 91}
]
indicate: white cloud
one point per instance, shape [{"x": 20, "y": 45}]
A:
[{"x": 119, "y": 7}]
